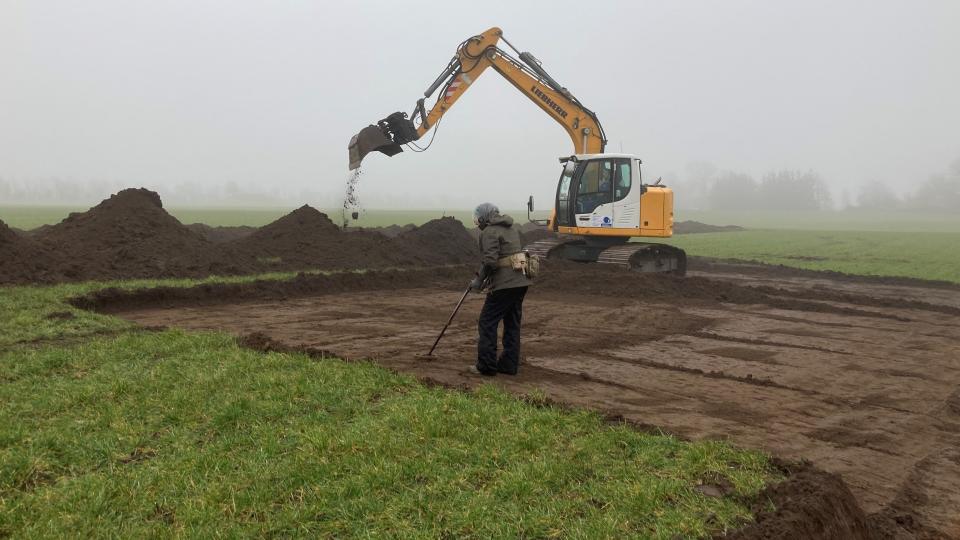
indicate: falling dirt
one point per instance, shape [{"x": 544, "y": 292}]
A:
[
  {"x": 351, "y": 201},
  {"x": 862, "y": 389}
]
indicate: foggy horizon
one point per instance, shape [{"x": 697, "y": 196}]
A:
[{"x": 208, "y": 104}]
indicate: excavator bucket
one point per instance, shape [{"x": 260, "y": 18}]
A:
[{"x": 370, "y": 138}]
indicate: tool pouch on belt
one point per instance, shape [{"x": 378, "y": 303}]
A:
[{"x": 521, "y": 262}]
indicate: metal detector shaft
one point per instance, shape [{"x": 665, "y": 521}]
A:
[{"x": 450, "y": 320}]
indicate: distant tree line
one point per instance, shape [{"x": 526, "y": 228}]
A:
[
  {"x": 940, "y": 192},
  {"x": 781, "y": 190},
  {"x": 706, "y": 187}
]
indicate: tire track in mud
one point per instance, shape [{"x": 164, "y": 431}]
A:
[{"x": 749, "y": 341}]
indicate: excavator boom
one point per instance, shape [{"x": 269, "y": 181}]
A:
[{"x": 473, "y": 57}]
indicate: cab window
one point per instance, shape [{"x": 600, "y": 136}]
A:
[
  {"x": 563, "y": 194},
  {"x": 621, "y": 184},
  {"x": 596, "y": 186}
]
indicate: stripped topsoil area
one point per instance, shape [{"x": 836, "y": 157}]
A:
[{"x": 836, "y": 374}]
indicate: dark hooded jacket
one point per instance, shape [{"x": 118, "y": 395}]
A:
[{"x": 497, "y": 240}]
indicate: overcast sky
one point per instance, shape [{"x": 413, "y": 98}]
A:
[{"x": 267, "y": 94}]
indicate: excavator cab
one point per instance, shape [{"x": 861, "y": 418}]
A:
[{"x": 601, "y": 204}]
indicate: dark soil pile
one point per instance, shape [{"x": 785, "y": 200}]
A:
[
  {"x": 810, "y": 503},
  {"x": 390, "y": 231},
  {"x": 20, "y": 260},
  {"x": 220, "y": 235},
  {"x": 7, "y": 236},
  {"x": 307, "y": 238},
  {"x": 692, "y": 227},
  {"x": 441, "y": 241},
  {"x": 129, "y": 235}
]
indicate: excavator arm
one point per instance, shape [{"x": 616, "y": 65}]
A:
[{"x": 473, "y": 57}]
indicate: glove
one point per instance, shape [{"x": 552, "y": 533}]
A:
[{"x": 476, "y": 285}]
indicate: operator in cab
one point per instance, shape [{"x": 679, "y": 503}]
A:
[{"x": 502, "y": 276}]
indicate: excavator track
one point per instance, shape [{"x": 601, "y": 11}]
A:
[{"x": 636, "y": 256}]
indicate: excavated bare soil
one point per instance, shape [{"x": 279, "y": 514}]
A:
[{"x": 861, "y": 379}]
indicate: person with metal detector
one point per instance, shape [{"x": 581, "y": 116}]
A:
[{"x": 502, "y": 276}]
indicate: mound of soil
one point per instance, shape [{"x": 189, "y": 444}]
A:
[
  {"x": 810, "y": 503},
  {"x": 692, "y": 227},
  {"x": 129, "y": 235},
  {"x": 441, "y": 241},
  {"x": 7, "y": 235},
  {"x": 20, "y": 260},
  {"x": 307, "y": 238},
  {"x": 391, "y": 231},
  {"x": 220, "y": 235}
]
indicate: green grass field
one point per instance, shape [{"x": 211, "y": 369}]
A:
[
  {"x": 930, "y": 255},
  {"x": 108, "y": 430},
  {"x": 853, "y": 220}
]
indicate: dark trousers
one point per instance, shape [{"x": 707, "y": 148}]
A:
[{"x": 504, "y": 305}]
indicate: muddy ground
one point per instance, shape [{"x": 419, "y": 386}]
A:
[{"x": 861, "y": 378}]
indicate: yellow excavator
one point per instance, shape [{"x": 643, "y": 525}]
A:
[{"x": 601, "y": 201}]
